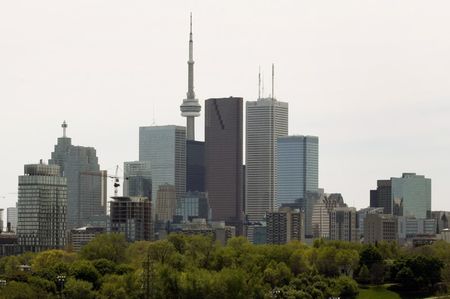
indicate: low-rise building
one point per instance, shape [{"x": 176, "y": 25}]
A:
[{"x": 81, "y": 236}]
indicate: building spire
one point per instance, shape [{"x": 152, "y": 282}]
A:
[
  {"x": 64, "y": 126},
  {"x": 190, "y": 93},
  {"x": 259, "y": 83},
  {"x": 273, "y": 81}
]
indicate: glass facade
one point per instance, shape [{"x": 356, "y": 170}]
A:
[
  {"x": 414, "y": 193},
  {"x": 164, "y": 147},
  {"x": 138, "y": 178},
  {"x": 41, "y": 208},
  {"x": 193, "y": 205},
  {"x": 297, "y": 168},
  {"x": 195, "y": 166}
]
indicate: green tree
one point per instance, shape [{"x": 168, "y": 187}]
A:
[
  {"x": 364, "y": 274},
  {"x": 85, "y": 270},
  {"x": 110, "y": 246},
  {"x": 370, "y": 255},
  {"x": 16, "y": 290},
  {"x": 78, "y": 289}
]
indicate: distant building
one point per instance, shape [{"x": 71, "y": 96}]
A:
[
  {"x": 380, "y": 227},
  {"x": 445, "y": 235},
  {"x": 131, "y": 216},
  {"x": 266, "y": 120},
  {"x": 42, "y": 208},
  {"x": 414, "y": 192},
  {"x": 8, "y": 244},
  {"x": 361, "y": 216},
  {"x": 409, "y": 195},
  {"x": 321, "y": 205},
  {"x": 166, "y": 203},
  {"x": 343, "y": 224},
  {"x": 165, "y": 148},
  {"x": 218, "y": 230},
  {"x": 1, "y": 221},
  {"x": 442, "y": 220},
  {"x": 193, "y": 205},
  {"x": 411, "y": 227},
  {"x": 137, "y": 178},
  {"x": 223, "y": 159},
  {"x": 81, "y": 236},
  {"x": 297, "y": 167},
  {"x": 285, "y": 225},
  {"x": 11, "y": 219},
  {"x": 195, "y": 166},
  {"x": 86, "y": 184}
]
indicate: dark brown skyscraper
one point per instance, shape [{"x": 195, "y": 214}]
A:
[{"x": 223, "y": 159}]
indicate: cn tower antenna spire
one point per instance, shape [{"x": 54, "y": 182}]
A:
[{"x": 190, "y": 107}]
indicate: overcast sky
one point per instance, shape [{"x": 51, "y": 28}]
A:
[{"x": 370, "y": 78}]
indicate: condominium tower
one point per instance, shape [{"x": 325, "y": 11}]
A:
[
  {"x": 42, "y": 207},
  {"x": 267, "y": 119},
  {"x": 223, "y": 158}
]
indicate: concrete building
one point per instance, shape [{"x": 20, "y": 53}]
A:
[
  {"x": 318, "y": 207},
  {"x": 86, "y": 184},
  {"x": 137, "y": 178},
  {"x": 297, "y": 167},
  {"x": 166, "y": 203},
  {"x": 343, "y": 224},
  {"x": 285, "y": 225},
  {"x": 193, "y": 205},
  {"x": 81, "y": 236},
  {"x": 267, "y": 119},
  {"x": 195, "y": 166},
  {"x": 11, "y": 219},
  {"x": 361, "y": 216},
  {"x": 442, "y": 220},
  {"x": 165, "y": 148},
  {"x": 411, "y": 227},
  {"x": 42, "y": 208},
  {"x": 223, "y": 159},
  {"x": 8, "y": 244},
  {"x": 131, "y": 216},
  {"x": 380, "y": 227},
  {"x": 218, "y": 230},
  {"x": 190, "y": 107}
]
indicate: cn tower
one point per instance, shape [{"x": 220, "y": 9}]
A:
[{"x": 190, "y": 107}]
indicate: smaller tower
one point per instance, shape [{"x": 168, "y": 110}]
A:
[{"x": 64, "y": 126}]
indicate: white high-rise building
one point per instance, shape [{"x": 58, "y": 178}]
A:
[{"x": 267, "y": 119}]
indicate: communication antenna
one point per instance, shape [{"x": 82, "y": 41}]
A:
[
  {"x": 262, "y": 85},
  {"x": 259, "y": 83},
  {"x": 273, "y": 81}
]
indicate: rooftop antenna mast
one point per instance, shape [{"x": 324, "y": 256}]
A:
[
  {"x": 259, "y": 83},
  {"x": 273, "y": 81},
  {"x": 262, "y": 85}
]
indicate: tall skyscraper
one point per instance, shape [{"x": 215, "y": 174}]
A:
[
  {"x": 85, "y": 182},
  {"x": 195, "y": 166},
  {"x": 223, "y": 159},
  {"x": 190, "y": 107},
  {"x": 297, "y": 168},
  {"x": 165, "y": 148},
  {"x": 42, "y": 207},
  {"x": 137, "y": 178},
  {"x": 267, "y": 119}
]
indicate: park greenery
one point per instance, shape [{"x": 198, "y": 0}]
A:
[{"x": 198, "y": 267}]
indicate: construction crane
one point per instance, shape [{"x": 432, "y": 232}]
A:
[{"x": 116, "y": 178}]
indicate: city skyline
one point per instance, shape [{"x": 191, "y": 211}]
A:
[{"x": 366, "y": 125}]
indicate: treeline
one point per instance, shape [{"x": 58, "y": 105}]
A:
[{"x": 198, "y": 267}]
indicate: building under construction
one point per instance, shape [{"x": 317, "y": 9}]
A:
[{"x": 131, "y": 216}]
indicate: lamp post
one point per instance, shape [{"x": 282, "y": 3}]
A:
[{"x": 60, "y": 280}]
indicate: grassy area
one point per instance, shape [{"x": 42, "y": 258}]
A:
[{"x": 377, "y": 292}]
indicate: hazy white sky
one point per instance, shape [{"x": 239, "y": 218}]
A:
[{"x": 370, "y": 78}]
